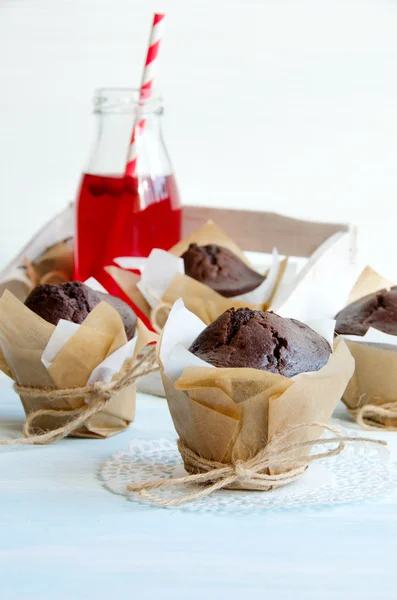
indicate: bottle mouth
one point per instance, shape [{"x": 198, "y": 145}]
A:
[{"x": 127, "y": 100}]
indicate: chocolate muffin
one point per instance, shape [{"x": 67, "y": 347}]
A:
[
  {"x": 261, "y": 340},
  {"x": 220, "y": 269},
  {"x": 73, "y": 302},
  {"x": 377, "y": 310}
]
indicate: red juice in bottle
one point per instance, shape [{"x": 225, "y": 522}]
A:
[{"x": 123, "y": 216}]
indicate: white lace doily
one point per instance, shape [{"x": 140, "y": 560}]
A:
[{"x": 359, "y": 472}]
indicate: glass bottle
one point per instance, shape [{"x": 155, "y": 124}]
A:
[{"x": 116, "y": 214}]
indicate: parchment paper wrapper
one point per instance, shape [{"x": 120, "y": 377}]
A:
[
  {"x": 374, "y": 381},
  {"x": 38, "y": 354},
  {"x": 322, "y": 286},
  {"x": 40, "y": 252},
  {"x": 163, "y": 281},
  {"x": 54, "y": 264},
  {"x": 230, "y": 414}
]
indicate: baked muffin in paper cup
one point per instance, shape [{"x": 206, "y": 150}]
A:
[
  {"x": 42, "y": 356},
  {"x": 371, "y": 395},
  {"x": 229, "y": 414},
  {"x": 306, "y": 294},
  {"x": 163, "y": 280}
]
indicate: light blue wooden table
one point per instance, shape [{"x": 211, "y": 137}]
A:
[{"x": 62, "y": 535}]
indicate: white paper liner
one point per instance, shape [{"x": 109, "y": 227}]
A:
[
  {"x": 133, "y": 263},
  {"x": 374, "y": 336},
  {"x": 161, "y": 267},
  {"x": 322, "y": 286},
  {"x": 262, "y": 293},
  {"x": 182, "y": 328},
  {"x": 112, "y": 364},
  {"x": 62, "y": 334},
  {"x": 95, "y": 285},
  {"x": 324, "y": 327}
]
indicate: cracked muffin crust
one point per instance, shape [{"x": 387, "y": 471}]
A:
[
  {"x": 73, "y": 302},
  {"x": 377, "y": 310},
  {"x": 261, "y": 340},
  {"x": 220, "y": 269}
]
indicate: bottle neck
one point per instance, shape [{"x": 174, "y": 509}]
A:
[{"x": 109, "y": 154}]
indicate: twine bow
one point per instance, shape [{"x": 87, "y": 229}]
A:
[
  {"x": 371, "y": 416},
  {"x": 98, "y": 395},
  {"x": 248, "y": 474}
]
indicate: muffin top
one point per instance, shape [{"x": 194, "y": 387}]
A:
[
  {"x": 261, "y": 340},
  {"x": 220, "y": 269},
  {"x": 73, "y": 302},
  {"x": 378, "y": 310}
]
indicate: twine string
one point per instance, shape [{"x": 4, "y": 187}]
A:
[
  {"x": 369, "y": 416},
  {"x": 98, "y": 396},
  {"x": 248, "y": 474}
]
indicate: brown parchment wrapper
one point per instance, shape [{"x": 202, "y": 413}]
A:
[
  {"x": 127, "y": 281},
  {"x": 230, "y": 414},
  {"x": 368, "y": 282},
  {"x": 46, "y": 258},
  {"x": 210, "y": 233},
  {"x": 375, "y": 376},
  {"x": 23, "y": 338},
  {"x": 55, "y": 265},
  {"x": 197, "y": 297}
]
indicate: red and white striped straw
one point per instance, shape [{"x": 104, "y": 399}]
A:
[{"x": 156, "y": 35}]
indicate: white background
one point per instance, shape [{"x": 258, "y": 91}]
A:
[{"x": 284, "y": 105}]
